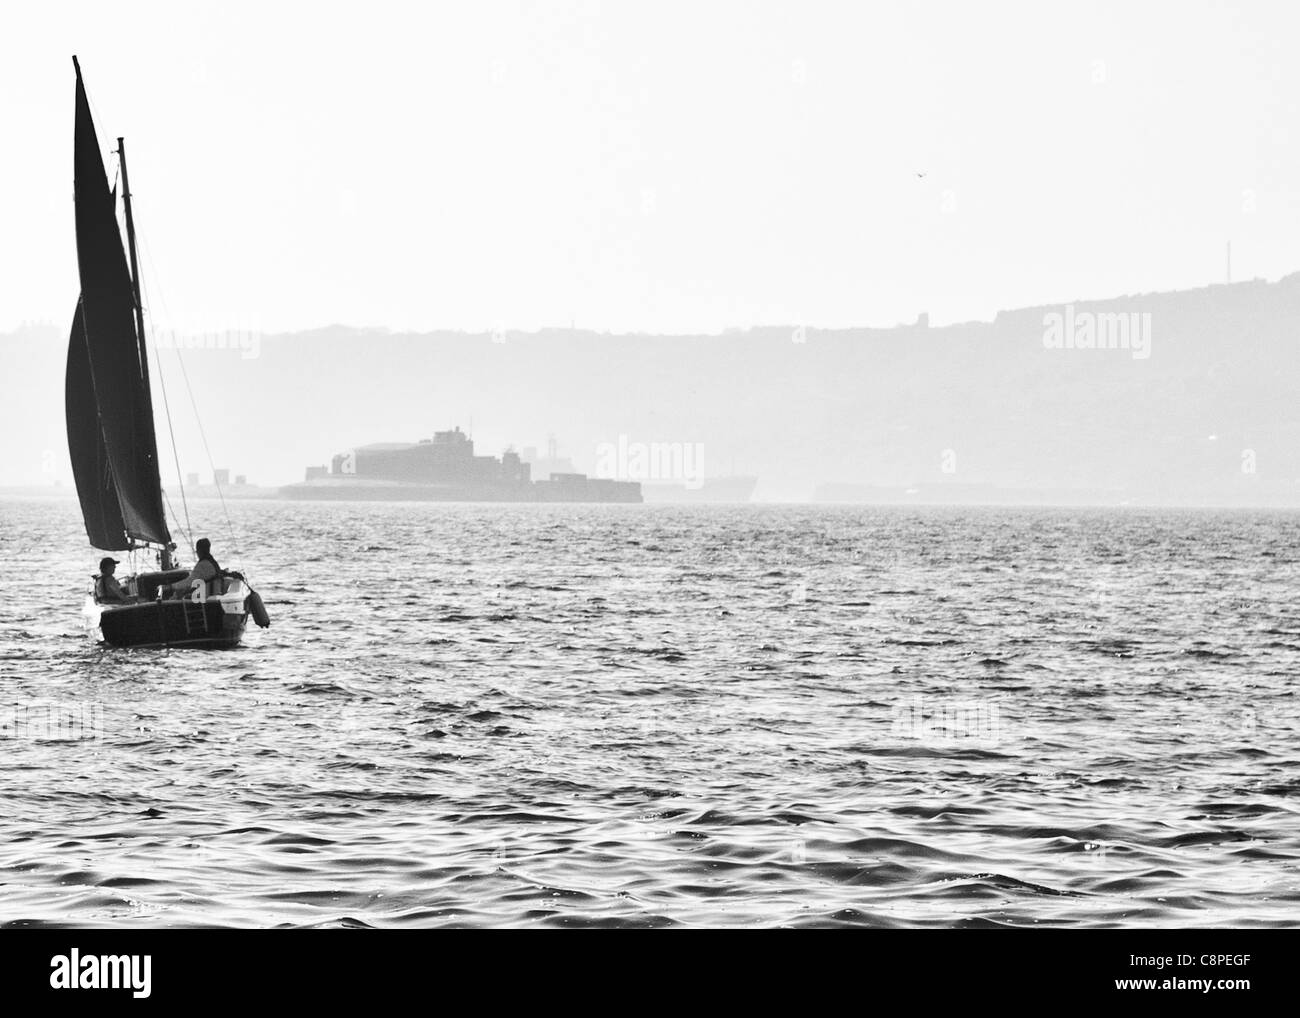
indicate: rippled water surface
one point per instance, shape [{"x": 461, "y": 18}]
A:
[{"x": 659, "y": 715}]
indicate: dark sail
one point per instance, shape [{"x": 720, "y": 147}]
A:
[
  {"x": 95, "y": 487},
  {"x": 110, "y": 430}
]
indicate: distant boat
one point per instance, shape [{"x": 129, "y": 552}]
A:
[
  {"x": 111, "y": 437},
  {"x": 445, "y": 469}
]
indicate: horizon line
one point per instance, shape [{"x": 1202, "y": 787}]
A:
[{"x": 40, "y": 323}]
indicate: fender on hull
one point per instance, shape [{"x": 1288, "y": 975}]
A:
[{"x": 256, "y": 609}]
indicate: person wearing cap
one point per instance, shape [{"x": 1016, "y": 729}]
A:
[
  {"x": 107, "y": 589},
  {"x": 205, "y": 570}
]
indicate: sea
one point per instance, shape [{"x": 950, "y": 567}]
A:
[{"x": 667, "y": 716}]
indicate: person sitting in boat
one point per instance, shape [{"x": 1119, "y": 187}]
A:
[
  {"x": 206, "y": 570},
  {"x": 107, "y": 589}
]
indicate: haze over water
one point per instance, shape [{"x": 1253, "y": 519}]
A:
[{"x": 669, "y": 715}]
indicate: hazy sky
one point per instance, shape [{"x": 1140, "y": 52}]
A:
[{"x": 654, "y": 166}]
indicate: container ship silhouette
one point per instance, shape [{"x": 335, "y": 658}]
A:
[{"x": 445, "y": 469}]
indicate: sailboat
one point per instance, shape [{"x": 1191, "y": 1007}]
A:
[{"x": 111, "y": 437}]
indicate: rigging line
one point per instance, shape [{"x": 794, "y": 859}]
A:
[
  {"x": 230, "y": 527},
  {"x": 187, "y": 534},
  {"x": 162, "y": 384},
  {"x": 97, "y": 121}
]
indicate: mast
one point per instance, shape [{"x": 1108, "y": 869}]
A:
[
  {"x": 166, "y": 556},
  {"x": 130, "y": 247}
]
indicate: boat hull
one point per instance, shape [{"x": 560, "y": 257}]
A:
[{"x": 215, "y": 624}]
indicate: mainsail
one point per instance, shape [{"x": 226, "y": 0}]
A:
[{"x": 109, "y": 409}]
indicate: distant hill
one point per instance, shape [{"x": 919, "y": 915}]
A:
[{"x": 1211, "y": 415}]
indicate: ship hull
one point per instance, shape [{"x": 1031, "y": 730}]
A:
[
  {"x": 215, "y": 624},
  {"x": 594, "y": 491}
]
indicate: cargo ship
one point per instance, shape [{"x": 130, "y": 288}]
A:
[{"x": 445, "y": 469}]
